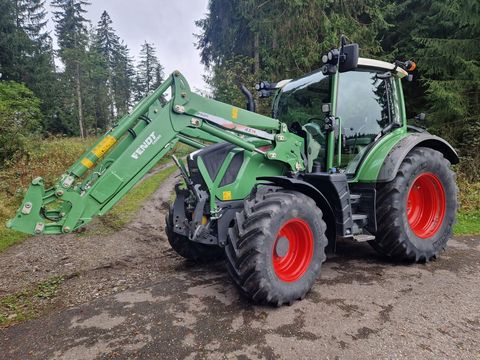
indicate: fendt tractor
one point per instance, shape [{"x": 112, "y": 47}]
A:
[{"x": 336, "y": 161}]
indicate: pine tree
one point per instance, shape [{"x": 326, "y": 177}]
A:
[
  {"x": 7, "y": 40},
  {"x": 282, "y": 39},
  {"x": 34, "y": 20},
  {"x": 149, "y": 71},
  {"x": 106, "y": 44},
  {"x": 123, "y": 81},
  {"x": 117, "y": 63},
  {"x": 71, "y": 31},
  {"x": 41, "y": 64},
  {"x": 442, "y": 37}
]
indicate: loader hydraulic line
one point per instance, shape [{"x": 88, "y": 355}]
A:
[{"x": 120, "y": 159}]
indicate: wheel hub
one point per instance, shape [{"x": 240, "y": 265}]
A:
[
  {"x": 282, "y": 246},
  {"x": 426, "y": 205}
]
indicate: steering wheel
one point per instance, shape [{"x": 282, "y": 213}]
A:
[{"x": 315, "y": 129}]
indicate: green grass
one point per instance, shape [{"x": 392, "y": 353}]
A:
[
  {"x": 9, "y": 237},
  {"x": 49, "y": 158},
  {"x": 468, "y": 223},
  {"x": 26, "y": 304},
  {"x": 468, "y": 219},
  {"x": 114, "y": 220}
]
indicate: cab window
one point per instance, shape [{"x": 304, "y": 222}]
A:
[
  {"x": 301, "y": 100},
  {"x": 365, "y": 106},
  {"x": 300, "y": 103}
]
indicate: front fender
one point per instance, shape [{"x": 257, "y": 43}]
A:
[{"x": 335, "y": 224}]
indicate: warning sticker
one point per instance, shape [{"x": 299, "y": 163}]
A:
[
  {"x": 234, "y": 113},
  {"x": 103, "y": 146},
  {"x": 227, "y": 195},
  {"x": 87, "y": 163}
]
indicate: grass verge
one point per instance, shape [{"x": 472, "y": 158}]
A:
[
  {"x": 467, "y": 223},
  {"x": 26, "y": 304},
  {"x": 468, "y": 218},
  {"x": 47, "y": 158}
]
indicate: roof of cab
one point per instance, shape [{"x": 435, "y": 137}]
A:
[
  {"x": 362, "y": 62},
  {"x": 378, "y": 64}
]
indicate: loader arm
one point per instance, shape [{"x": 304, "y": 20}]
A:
[{"x": 120, "y": 159}]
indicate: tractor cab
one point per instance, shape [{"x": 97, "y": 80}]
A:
[{"x": 364, "y": 104}]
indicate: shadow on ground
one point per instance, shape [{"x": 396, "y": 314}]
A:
[{"x": 361, "y": 307}]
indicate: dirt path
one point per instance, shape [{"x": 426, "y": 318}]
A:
[
  {"x": 138, "y": 300},
  {"x": 94, "y": 265}
]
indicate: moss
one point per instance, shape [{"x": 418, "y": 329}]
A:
[{"x": 26, "y": 304}]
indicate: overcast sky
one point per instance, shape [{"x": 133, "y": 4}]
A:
[{"x": 166, "y": 23}]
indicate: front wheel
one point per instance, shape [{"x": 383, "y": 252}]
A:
[
  {"x": 188, "y": 249},
  {"x": 416, "y": 211},
  {"x": 276, "y": 247}
]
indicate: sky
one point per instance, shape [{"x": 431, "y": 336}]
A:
[{"x": 168, "y": 24}]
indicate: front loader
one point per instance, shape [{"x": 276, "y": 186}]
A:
[{"x": 336, "y": 160}]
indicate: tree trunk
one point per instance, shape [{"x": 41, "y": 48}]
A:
[
  {"x": 256, "y": 53},
  {"x": 79, "y": 100}
]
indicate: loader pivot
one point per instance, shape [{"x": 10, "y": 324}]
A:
[{"x": 120, "y": 159}]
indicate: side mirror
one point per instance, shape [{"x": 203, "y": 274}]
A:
[
  {"x": 420, "y": 117},
  {"x": 348, "y": 57}
]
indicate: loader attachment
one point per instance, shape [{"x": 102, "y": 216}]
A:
[
  {"x": 120, "y": 159},
  {"x": 106, "y": 172}
]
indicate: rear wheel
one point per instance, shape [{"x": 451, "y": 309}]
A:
[
  {"x": 416, "y": 211},
  {"x": 276, "y": 247},
  {"x": 188, "y": 249}
]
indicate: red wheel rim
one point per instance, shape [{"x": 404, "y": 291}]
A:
[
  {"x": 296, "y": 238},
  {"x": 426, "y": 205}
]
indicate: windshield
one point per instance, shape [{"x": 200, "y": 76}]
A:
[
  {"x": 300, "y": 103},
  {"x": 301, "y": 100}
]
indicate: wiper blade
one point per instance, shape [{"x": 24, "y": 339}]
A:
[{"x": 387, "y": 129}]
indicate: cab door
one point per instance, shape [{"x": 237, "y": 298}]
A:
[{"x": 366, "y": 105}]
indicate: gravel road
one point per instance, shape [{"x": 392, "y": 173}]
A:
[{"x": 128, "y": 296}]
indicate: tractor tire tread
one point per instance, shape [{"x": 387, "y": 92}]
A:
[
  {"x": 188, "y": 249},
  {"x": 244, "y": 250},
  {"x": 392, "y": 239}
]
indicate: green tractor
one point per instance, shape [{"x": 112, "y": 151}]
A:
[{"x": 336, "y": 160}]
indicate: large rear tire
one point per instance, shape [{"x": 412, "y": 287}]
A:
[
  {"x": 276, "y": 247},
  {"x": 416, "y": 211},
  {"x": 188, "y": 249}
]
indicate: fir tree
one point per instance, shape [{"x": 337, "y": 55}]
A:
[
  {"x": 442, "y": 37},
  {"x": 118, "y": 65},
  {"x": 282, "y": 39},
  {"x": 123, "y": 80},
  {"x": 149, "y": 71},
  {"x": 71, "y": 31}
]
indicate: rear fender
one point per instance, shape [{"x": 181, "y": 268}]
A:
[{"x": 394, "y": 159}]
